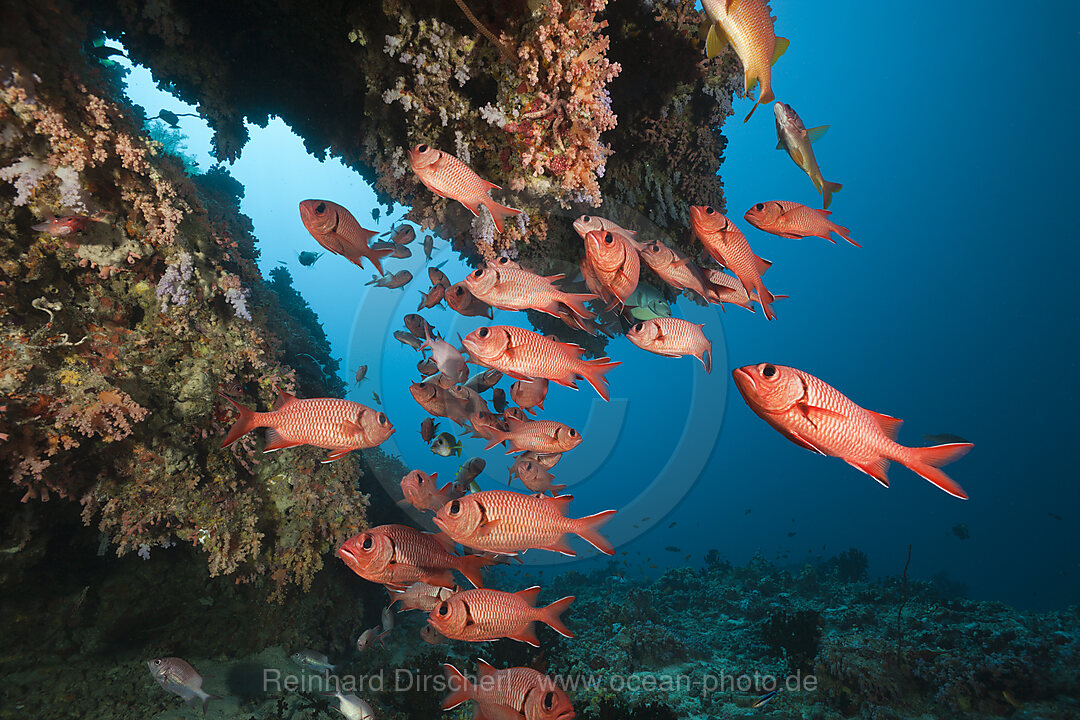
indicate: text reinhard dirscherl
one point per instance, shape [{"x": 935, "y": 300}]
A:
[{"x": 408, "y": 680}]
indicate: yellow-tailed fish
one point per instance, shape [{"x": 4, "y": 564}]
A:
[
  {"x": 747, "y": 25},
  {"x": 793, "y": 136}
]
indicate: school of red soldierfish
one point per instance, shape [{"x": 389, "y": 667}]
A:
[{"x": 417, "y": 568}]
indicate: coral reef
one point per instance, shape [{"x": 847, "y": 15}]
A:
[{"x": 115, "y": 338}]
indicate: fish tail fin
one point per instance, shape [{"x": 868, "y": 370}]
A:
[
  {"x": 766, "y": 299},
  {"x": 470, "y": 566},
  {"x": 594, "y": 370},
  {"x": 458, "y": 685},
  {"x": 827, "y": 190},
  {"x": 244, "y": 424},
  {"x": 550, "y": 616},
  {"x": 765, "y": 97},
  {"x": 206, "y": 698},
  {"x": 925, "y": 462},
  {"x": 707, "y": 363},
  {"x": 375, "y": 255},
  {"x": 588, "y": 528},
  {"x": 499, "y": 212}
]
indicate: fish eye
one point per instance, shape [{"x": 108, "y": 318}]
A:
[
  {"x": 367, "y": 543},
  {"x": 421, "y": 148},
  {"x": 478, "y": 274},
  {"x": 444, "y": 609},
  {"x": 608, "y": 239},
  {"x": 320, "y": 208},
  {"x": 768, "y": 371},
  {"x": 455, "y": 507},
  {"x": 709, "y": 210},
  {"x": 382, "y": 418},
  {"x": 586, "y": 218},
  {"x": 549, "y": 700},
  {"x": 573, "y": 432},
  {"x": 158, "y": 661},
  {"x": 759, "y": 207},
  {"x": 458, "y": 291},
  {"x": 483, "y": 332},
  {"x": 638, "y": 328}
]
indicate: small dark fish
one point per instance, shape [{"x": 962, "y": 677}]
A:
[
  {"x": 1054, "y": 515},
  {"x": 418, "y": 326},
  {"x": 427, "y": 366},
  {"x": 169, "y": 118},
  {"x": 361, "y": 373},
  {"x": 446, "y": 445},
  {"x": 399, "y": 279},
  {"x": 438, "y": 277},
  {"x": 944, "y": 439},
  {"x": 672, "y": 548},
  {"x": 429, "y": 245},
  {"x": 671, "y": 526},
  {"x": 433, "y": 297},
  {"x": 376, "y": 398},
  {"x": 748, "y": 511},
  {"x": 765, "y": 698},
  {"x": 961, "y": 531},
  {"x": 408, "y": 339},
  {"x": 498, "y": 400},
  {"x": 104, "y": 52},
  {"x": 465, "y": 303},
  {"x": 467, "y": 473},
  {"x": 428, "y": 428},
  {"x": 401, "y": 252},
  {"x": 375, "y": 212},
  {"x": 308, "y": 258},
  {"x": 403, "y": 235},
  {"x": 484, "y": 381},
  {"x": 791, "y": 534}
]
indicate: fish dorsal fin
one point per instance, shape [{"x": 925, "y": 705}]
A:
[
  {"x": 888, "y": 424},
  {"x": 762, "y": 264},
  {"x": 816, "y": 133},
  {"x": 444, "y": 540},
  {"x": 779, "y": 48},
  {"x": 716, "y": 41},
  {"x": 822, "y": 212},
  {"x": 529, "y": 595},
  {"x": 553, "y": 278},
  {"x": 283, "y": 398}
]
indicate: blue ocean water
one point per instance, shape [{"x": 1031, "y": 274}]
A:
[{"x": 949, "y": 131}]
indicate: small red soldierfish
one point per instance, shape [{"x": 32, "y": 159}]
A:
[
  {"x": 399, "y": 279},
  {"x": 420, "y": 596},
  {"x": 614, "y": 263},
  {"x": 398, "y": 555},
  {"x": 69, "y": 224},
  {"x": 728, "y": 289},
  {"x": 423, "y": 493},
  {"x": 676, "y": 269},
  {"x": 448, "y": 177},
  {"x": 178, "y": 677},
  {"x": 480, "y": 615},
  {"x": 506, "y": 523},
  {"x": 748, "y": 26},
  {"x": 534, "y": 475},
  {"x": 793, "y": 136},
  {"x": 517, "y": 693},
  {"x": 337, "y": 230},
  {"x": 542, "y": 436},
  {"x": 795, "y": 220},
  {"x": 526, "y": 355},
  {"x": 462, "y": 302},
  {"x": 818, "y": 417},
  {"x": 337, "y": 425},
  {"x": 672, "y": 337},
  {"x": 529, "y": 394},
  {"x": 509, "y": 288},
  {"x": 403, "y": 235},
  {"x": 728, "y": 246}
]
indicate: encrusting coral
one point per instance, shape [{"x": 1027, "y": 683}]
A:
[{"x": 113, "y": 340}]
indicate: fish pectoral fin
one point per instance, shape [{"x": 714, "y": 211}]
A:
[
  {"x": 716, "y": 41},
  {"x": 816, "y": 133},
  {"x": 779, "y": 48},
  {"x": 814, "y": 413}
]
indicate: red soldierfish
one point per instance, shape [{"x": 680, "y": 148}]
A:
[
  {"x": 506, "y": 523},
  {"x": 420, "y": 596},
  {"x": 399, "y": 279},
  {"x": 517, "y": 693},
  {"x": 794, "y": 220},
  {"x": 398, "y": 555},
  {"x": 529, "y": 394},
  {"x": 337, "y": 230},
  {"x": 676, "y": 269},
  {"x": 423, "y": 493},
  {"x": 464, "y": 303},
  {"x": 510, "y": 288},
  {"x": 69, "y": 224},
  {"x": 541, "y": 436},
  {"x": 672, "y": 337},
  {"x": 728, "y": 246},
  {"x": 525, "y": 355},
  {"x": 337, "y": 425},
  {"x": 728, "y": 289},
  {"x": 796, "y": 139},
  {"x": 614, "y": 263},
  {"x": 481, "y": 614},
  {"x": 816, "y": 416},
  {"x": 448, "y": 177}
]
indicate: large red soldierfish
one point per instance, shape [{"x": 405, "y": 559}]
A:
[
  {"x": 337, "y": 425},
  {"x": 509, "y": 288},
  {"x": 398, "y": 556},
  {"x": 672, "y": 337},
  {"x": 506, "y": 523},
  {"x": 540, "y": 436},
  {"x": 337, "y": 230},
  {"x": 728, "y": 246},
  {"x": 818, "y": 417},
  {"x": 795, "y": 220},
  {"x": 793, "y": 136},
  {"x": 517, "y": 693},
  {"x": 747, "y": 25},
  {"x": 614, "y": 263},
  {"x": 481, "y": 614},
  {"x": 526, "y": 355},
  {"x": 448, "y": 177}
]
